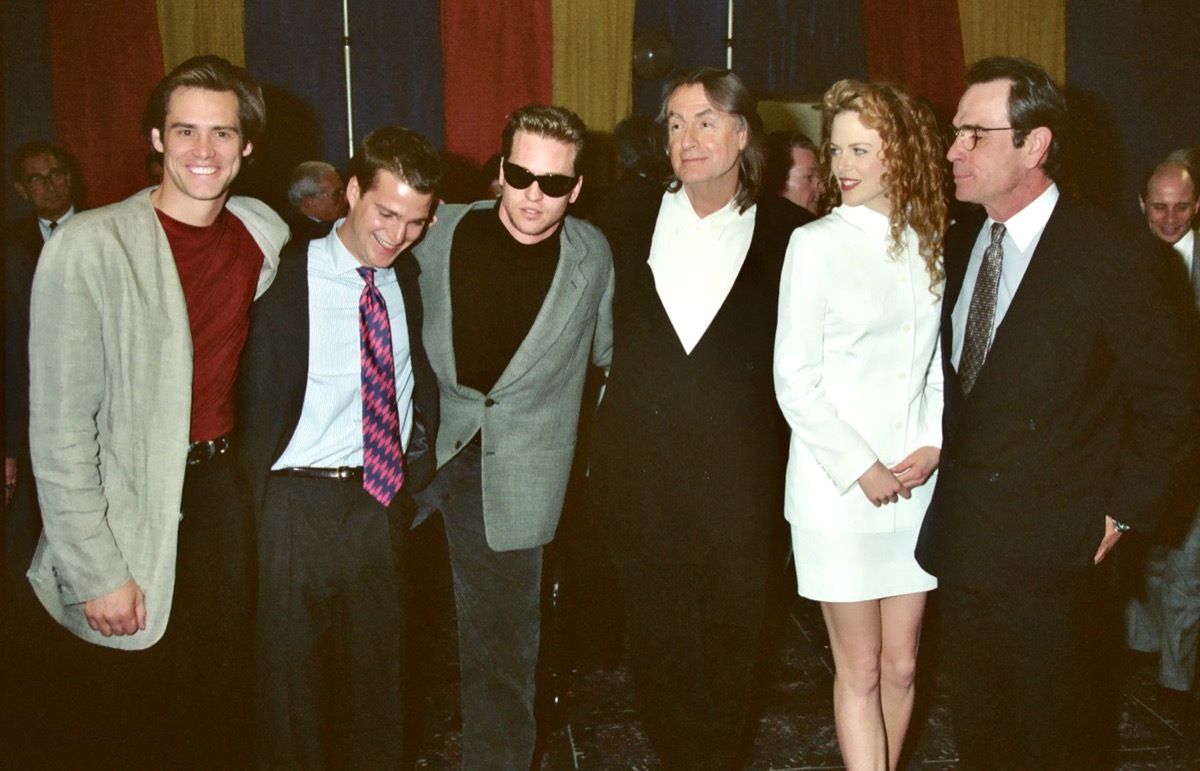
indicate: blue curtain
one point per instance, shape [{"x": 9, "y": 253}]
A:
[
  {"x": 1131, "y": 91},
  {"x": 696, "y": 29},
  {"x": 794, "y": 48},
  {"x": 28, "y": 90},
  {"x": 396, "y": 66}
]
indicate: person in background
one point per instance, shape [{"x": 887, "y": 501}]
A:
[
  {"x": 858, "y": 374},
  {"x": 318, "y": 198},
  {"x": 792, "y": 169},
  {"x": 1165, "y": 617}
]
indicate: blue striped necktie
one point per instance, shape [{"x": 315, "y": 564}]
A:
[{"x": 383, "y": 460}]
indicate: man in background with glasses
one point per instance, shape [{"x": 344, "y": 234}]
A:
[
  {"x": 517, "y": 302},
  {"x": 42, "y": 176},
  {"x": 1071, "y": 372}
]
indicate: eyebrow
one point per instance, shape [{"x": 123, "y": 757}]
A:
[
  {"x": 181, "y": 124},
  {"x": 705, "y": 111}
]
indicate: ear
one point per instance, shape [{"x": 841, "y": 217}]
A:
[
  {"x": 1142, "y": 203},
  {"x": 249, "y": 148},
  {"x": 20, "y": 188},
  {"x": 577, "y": 188},
  {"x": 353, "y": 193},
  {"x": 1037, "y": 146},
  {"x": 156, "y": 140}
]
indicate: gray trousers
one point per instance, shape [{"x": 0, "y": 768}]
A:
[
  {"x": 1167, "y": 619},
  {"x": 498, "y": 600}
]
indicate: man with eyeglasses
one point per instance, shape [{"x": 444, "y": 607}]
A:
[
  {"x": 42, "y": 176},
  {"x": 517, "y": 300},
  {"x": 1070, "y": 356},
  {"x": 318, "y": 198}
]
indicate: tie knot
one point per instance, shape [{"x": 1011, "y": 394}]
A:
[
  {"x": 368, "y": 275},
  {"x": 997, "y": 233}
]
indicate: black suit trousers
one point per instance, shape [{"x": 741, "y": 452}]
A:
[{"x": 1031, "y": 674}]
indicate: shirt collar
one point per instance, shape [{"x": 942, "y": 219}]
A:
[
  {"x": 1184, "y": 245},
  {"x": 1027, "y": 224},
  {"x": 70, "y": 212},
  {"x": 341, "y": 260},
  {"x": 681, "y": 214}
]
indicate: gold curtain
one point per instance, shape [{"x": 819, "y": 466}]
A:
[
  {"x": 593, "y": 54},
  {"x": 192, "y": 27},
  {"x": 1035, "y": 29}
]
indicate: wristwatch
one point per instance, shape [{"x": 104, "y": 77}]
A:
[{"x": 1121, "y": 527}]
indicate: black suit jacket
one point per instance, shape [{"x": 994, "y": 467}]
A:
[
  {"x": 274, "y": 373},
  {"x": 1086, "y": 406},
  {"x": 22, "y": 245}
]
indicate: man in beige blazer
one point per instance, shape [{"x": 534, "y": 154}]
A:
[
  {"x": 518, "y": 299},
  {"x": 139, "y": 313}
]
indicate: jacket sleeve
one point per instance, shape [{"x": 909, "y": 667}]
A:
[
  {"x": 799, "y": 345},
  {"x": 67, "y": 382}
]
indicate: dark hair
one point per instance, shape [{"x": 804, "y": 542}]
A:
[
  {"x": 211, "y": 73},
  {"x": 728, "y": 93},
  {"x": 403, "y": 153},
  {"x": 1034, "y": 100},
  {"x": 550, "y": 122},
  {"x": 642, "y": 146},
  {"x": 34, "y": 149},
  {"x": 779, "y": 157}
]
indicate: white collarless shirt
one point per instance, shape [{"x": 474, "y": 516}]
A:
[{"x": 696, "y": 260}]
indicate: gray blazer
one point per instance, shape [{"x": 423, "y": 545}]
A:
[
  {"x": 110, "y": 353},
  {"x": 529, "y": 418}
]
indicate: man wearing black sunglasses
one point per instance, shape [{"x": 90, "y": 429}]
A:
[{"x": 517, "y": 302}]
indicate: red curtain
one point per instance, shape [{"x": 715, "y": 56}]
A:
[
  {"x": 497, "y": 56},
  {"x": 105, "y": 59},
  {"x": 917, "y": 43}
]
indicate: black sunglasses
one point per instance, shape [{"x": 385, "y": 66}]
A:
[{"x": 553, "y": 185}]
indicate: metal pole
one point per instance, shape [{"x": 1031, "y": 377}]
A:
[
  {"x": 729, "y": 39},
  {"x": 349, "y": 96}
]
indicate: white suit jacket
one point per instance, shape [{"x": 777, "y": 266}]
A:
[{"x": 858, "y": 370}]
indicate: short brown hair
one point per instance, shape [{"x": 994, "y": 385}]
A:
[
  {"x": 545, "y": 121},
  {"x": 211, "y": 73},
  {"x": 403, "y": 153}
]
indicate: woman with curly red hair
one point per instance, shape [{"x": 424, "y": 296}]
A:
[{"x": 858, "y": 375}]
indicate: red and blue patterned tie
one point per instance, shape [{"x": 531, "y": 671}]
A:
[{"x": 383, "y": 460}]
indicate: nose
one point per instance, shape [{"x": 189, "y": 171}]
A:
[
  {"x": 534, "y": 192},
  {"x": 842, "y": 159},
  {"x": 955, "y": 151},
  {"x": 204, "y": 144}
]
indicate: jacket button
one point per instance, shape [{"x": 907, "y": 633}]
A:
[
  {"x": 488, "y": 402},
  {"x": 994, "y": 477},
  {"x": 1032, "y": 425},
  {"x": 458, "y": 445}
]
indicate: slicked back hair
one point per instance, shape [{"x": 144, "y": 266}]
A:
[{"x": 549, "y": 122}]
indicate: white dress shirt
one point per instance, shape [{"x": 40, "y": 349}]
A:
[
  {"x": 44, "y": 225},
  {"x": 1184, "y": 247},
  {"x": 696, "y": 260},
  {"x": 330, "y": 433},
  {"x": 1023, "y": 230}
]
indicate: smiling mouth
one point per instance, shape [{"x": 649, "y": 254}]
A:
[
  {"x": 385, "y": 244},
  {"x": 203, "y": 171},
  {"x": 848, "y": 184}
]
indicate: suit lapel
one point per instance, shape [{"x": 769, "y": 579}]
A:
[
  {"x": 1196, "y": 267},
  {"x": 566, "y": 290}
]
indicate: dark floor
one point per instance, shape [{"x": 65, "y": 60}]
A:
[{"x": 594, "y": 724}]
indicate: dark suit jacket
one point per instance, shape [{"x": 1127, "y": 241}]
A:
[
  {"x": 22, "y": 244},
  {"x": 1086, "y": 406},
  {"x": 274, "y": 373}
]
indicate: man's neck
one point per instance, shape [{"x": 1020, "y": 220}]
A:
[
  {"x": 1025, "y": 193},
  {"x": 709, "y": 197},
  {"x": 187, "y": 210}
]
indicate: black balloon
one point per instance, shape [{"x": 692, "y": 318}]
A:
[{"x": 653, "y": 55}]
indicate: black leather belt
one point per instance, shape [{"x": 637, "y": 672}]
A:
[
  {"x": 340, "y": 474},
  {"x": 203, "y": 452}
]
